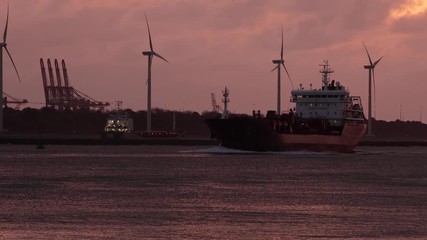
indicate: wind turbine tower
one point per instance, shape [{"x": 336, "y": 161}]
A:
[
  {"x": 371, "y": 68},
  {"x": 150, "y": 54},
  {"x": 4, "y": 45},
  {"x": 280, "y": 62}
]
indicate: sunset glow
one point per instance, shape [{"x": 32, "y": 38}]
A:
[{"x": 409, "y": 8}]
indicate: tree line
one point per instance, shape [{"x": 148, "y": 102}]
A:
[{"x": 83, "y": 121}]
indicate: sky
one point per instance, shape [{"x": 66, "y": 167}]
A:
[{"x": 218, "y": 43}]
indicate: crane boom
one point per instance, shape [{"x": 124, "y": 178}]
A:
[
  {"x": 44, "y": 76},
  {"x": 51, "y": 89}
]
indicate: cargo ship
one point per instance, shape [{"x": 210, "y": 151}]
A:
[
  {"x": 117, "y": 126},
  {"x": 324, "y": 119}
]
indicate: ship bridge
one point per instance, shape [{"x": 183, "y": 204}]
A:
[{"x": 329, "y": 102}]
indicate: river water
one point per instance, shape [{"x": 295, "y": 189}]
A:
[{"x": 192, "y": 192}]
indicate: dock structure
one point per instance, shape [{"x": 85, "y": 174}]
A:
[
  {"x": 8, "y": 99},
  {"x": 59, "y": 94}
]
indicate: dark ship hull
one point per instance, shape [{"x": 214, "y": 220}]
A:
[{"x": 263, "y": 134}]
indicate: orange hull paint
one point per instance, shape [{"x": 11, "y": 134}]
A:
[
  {"x": 260, "y": 135},
  {"x": 346, "y": 142}
]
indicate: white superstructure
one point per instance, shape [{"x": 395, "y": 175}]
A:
[{"x": 332, "y": 101}]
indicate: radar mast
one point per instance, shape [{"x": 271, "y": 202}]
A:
[{"x": 325, "y": 71}]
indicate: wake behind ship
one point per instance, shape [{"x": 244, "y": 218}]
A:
[{"x": 325, "y": 119}]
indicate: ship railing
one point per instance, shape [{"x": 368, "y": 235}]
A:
[
  {"x": 354, "y": 115},
  {"x": 355, "y": 110},
  {"x": 355, "y": 119}
]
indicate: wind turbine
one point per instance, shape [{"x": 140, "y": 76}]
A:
[
  {"x": 280, "y": 62},
  {"x": 371, "y": 67},
  {"x": 4, "y": 45},
  {"x": 150, "y": 55}
]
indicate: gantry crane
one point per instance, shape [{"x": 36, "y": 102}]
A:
[{"x": 62, "y": 95}]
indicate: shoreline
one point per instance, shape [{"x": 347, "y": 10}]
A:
[{"x": 78, "y": 139}]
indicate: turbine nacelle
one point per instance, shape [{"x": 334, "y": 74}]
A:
[
  {"x": 278, "y": 61},
  {"x": 147, "y": 53},
  {"x": 151, "y": 52}
]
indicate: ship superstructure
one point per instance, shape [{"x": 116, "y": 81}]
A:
[
  {"x": 332, "y": 101},
  {"x": 119, "y": 122}
]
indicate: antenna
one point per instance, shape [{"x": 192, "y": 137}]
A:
[{"x": 325, "y": 71}]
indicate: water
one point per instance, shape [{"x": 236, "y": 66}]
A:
[{"x": 173, "y": 192}]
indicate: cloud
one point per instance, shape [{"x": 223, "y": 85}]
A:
[{"x": 408, "y": 9}]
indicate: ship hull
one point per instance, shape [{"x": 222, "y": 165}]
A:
[{"x": 258, "y": 134}]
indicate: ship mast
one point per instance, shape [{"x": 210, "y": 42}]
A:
[
  {"x": 325, "y": 71},
  {"x": 225, "y": 100}
]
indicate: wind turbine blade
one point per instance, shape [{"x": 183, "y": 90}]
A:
[
  {"x": 275, "y": 68},
  {"x": 289, "y": 76},
  {"x": 13, "y": 63},
  {"x": 370, "y": 61},
  {"x": 281, "y": 50},
  {"x": 157, "y": 55},
  {"x": 7, "y": 23},
  {"x": 149, "y": 33},
  {"x": 376, "y": 62}
]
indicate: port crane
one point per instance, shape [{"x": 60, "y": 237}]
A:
[{"x": 61, "y": 95}]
